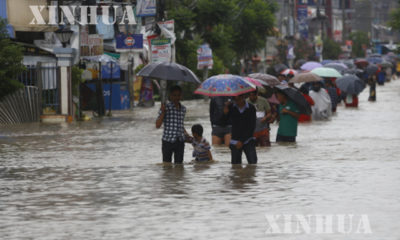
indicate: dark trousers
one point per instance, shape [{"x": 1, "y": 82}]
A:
[
  {"x": 250, "y": 151},
  {"x": 177, "y": 148},
  {"x": 280, "y": 138}
]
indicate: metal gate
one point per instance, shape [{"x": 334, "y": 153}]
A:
[{"x": 45, "y": 77}]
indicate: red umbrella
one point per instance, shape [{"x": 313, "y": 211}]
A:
[{"x": 361, "y": 62}]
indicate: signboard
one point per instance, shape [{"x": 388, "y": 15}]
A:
[
  {"x": 302, "y": 15},
  {"x": 106, "y": 71},
  {"x": 337, "y": 35},
  {"x": 204, "y": 57},
  {"x": 169, "y": 25},
  {"x": 160, "y": 50},
  {"x": 146, "y": 8},
  {"x": 167, "y": 30},
  {"x": 91, "y": 44},
  {"x": 129, "y": 41}
]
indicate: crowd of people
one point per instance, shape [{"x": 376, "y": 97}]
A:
[{"x": 242, "y": 123}]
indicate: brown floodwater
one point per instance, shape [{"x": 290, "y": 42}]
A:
[{"x": 103, "y": 179}]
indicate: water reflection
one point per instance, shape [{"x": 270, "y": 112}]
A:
[
  {"x": 104, "y": 180},
  {"x": 242, "y": 176}
]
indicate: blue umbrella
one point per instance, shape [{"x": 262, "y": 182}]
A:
[
  {"x": 350, "y": 84},
  {"x": 375, "y": 60}
]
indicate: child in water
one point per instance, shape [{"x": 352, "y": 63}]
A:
[{"x": 201, "y": 147}]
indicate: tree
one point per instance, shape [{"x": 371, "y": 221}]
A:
[
  {"x": 303, "y": 49},
  {"x": 395, "y": 18},
  {"x": 10, "y": 63},
  {"x": 331, "y": 50},
  {"x": 360, "y": 41},
  {"x": 234, "y": 29},
  {"x": 255, "y": 20}
]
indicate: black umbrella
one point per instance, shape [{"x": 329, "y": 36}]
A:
[
  {"x": 372, "y": 69},
  {"x": 296, "y": 97},
  {"x": 349, "y": 63},
  {"x": 353, "y": 71},
  {"x": 280, "y": 67},
  {"x": 350, "y": 84},
  {"x": 340, "y": 67},
  {"x": 169, "y": 71}
]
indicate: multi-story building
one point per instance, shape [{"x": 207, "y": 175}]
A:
[{"x": 372, "y": 17}]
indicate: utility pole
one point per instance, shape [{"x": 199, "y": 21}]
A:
[
  {"x": 344, "y": 28},
  {"x": 293, "y": 13},
  {"x": 319, "y": 17},
  {"x": 159, "y": 18}
]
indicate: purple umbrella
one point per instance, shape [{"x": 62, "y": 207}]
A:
[{"x": 309, "y": 66}]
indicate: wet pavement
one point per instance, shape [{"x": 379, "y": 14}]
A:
[{"x": 103, "y": 179}]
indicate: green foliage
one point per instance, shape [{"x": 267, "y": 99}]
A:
[
  {"x": 138, "y": 68},
  {"x": 234, "y": 29},
  {"x": 282, "y": 47},
  {"x": 331, "y": 49},
  {"x": 77, "y": 79},
  {"x": 303, "y": 49},
  {"x": 395, "y": 18},
  {"x": 359, "y": 39},
  {"x": 251, "y": 27},
  {"x": 11, "y": 66}
]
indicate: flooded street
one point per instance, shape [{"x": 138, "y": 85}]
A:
[{"x": 103, "y": 179}]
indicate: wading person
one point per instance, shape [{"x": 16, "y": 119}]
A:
[
  {"x": 333, "y": 94},
  {"x": 304, "y": 90},
  {"x": 221, "y": 131},
  {"x": 263, "y": 113},
  {"x": 243, "y": 118},
  {"x": 201, "y": 147},
  {"x": 372, "y": 88},
  {"x": 322, "y": 109},
  {"x": 288, "y": 120},
  {"x": 172, "y": 116}
]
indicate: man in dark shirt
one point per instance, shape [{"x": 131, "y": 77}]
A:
[{"x": 243, "y": 118}]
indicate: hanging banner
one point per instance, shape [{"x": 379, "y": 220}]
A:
[
  {"x": 204, "y": 57},
  {"x": 167, "y": 30},
  {"x": 160, "y": 50},
  {"x": 302, "y": 16},
  {"x": 168, "y": 25},
  {"x": 146, "y": 93},
  {"x": 129, "y": 41},
  {"x": 146, "y": 8}
]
